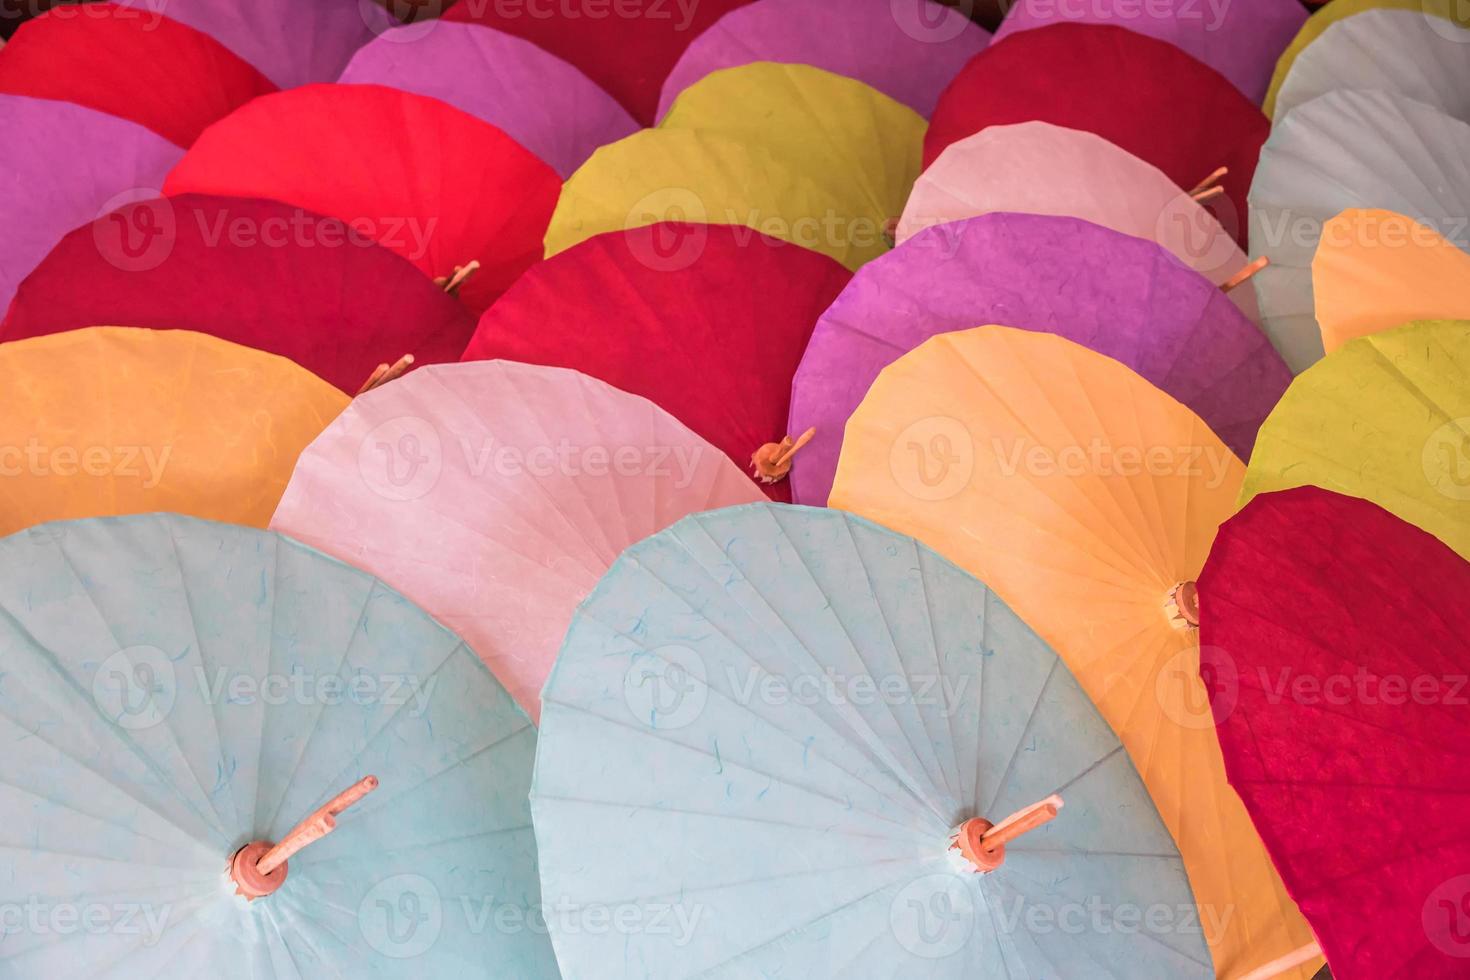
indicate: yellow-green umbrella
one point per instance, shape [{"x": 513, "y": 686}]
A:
[{"x": 1386, "y": 417}]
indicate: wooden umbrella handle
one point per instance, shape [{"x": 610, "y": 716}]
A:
[
  {"x": 321, "y": 823},
  {"x": 1281, "y": 964}
]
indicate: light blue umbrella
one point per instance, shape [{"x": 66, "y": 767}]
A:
[
  {"x": 172, "y": 689},
  {"x": 764, "y": 729}
]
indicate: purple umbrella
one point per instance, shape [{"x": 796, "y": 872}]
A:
[
  {"x": 64, "y": 165},
  {"x": 907, "y": 49},
  {"x": 1121, "y": 296},
  {"x": 291, "y": 42},
  {"x": 543, "y": 103},
  {"x": 1241, "y": 39}
]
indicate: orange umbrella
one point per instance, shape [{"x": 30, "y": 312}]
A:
[
  {"x": 117, "y": 420},
  {"x": 1088, "y": 500},
  {"x": 1375, "y": 270}
]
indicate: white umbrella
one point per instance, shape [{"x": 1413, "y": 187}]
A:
[{"x": 1347, "y": 149}]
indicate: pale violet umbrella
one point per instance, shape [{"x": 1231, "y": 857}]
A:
[
  {"x": 540, "y": 101},
  {"x": 291, "y": 43},
  {"x": 1347, "y": 149},
  {"x": 773, "y": 744},
  {"x": 1406, "y": 52},
  {"x": 178, "y": 695}
]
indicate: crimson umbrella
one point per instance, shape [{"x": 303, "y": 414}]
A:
[
  {"x": 63, "y": 165},
  {"x": 706, "y": 321},
  {"x": 290, "y": 41},
  {"x": 456, "y": 196},
  {"x": 627, "y": 48},
  {"x": 1335, "y": 651},
  {"x": 130, "y": 63},
  {"x": 257, "y": 273},
  {"x": 1143, "y": 94}
]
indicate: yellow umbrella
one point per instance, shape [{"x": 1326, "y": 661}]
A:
[
  {"x": 685, "y": 175},
  {"x": 1375, "y": 270},
  {"x": 1340, "y": 10},
  {"x": 1387, "y": 418},
  {"x": 1087, "y": 499},
  {"x": 116, "y": 420},
  {"x": 864, "y": 146}
]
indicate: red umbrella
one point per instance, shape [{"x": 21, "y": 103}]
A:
[
  {"x": 628, "y": 48},
  {"x": 416, "y": 175},
  {"x": 136, "y": 64},
  {"x": 707, "y": 321},
  {"x": 1145, "y": 95},
  {"x": 1336, "y": 646},
  {"x": 258, "y": 273}
]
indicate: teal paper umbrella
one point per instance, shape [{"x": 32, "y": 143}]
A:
[
  {"x": 177, "y": 695},
  {"x": 784, "y": 741}
]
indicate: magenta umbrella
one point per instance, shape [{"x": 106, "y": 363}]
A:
[
  {"x": 907, "y": 49},
  {"x": 1241, "y": 39},
  {"x": 63, "y": 165},
  {"x": 1121, "y": 296},
  {"x": 540, "y": 101},
  {"x": 291, "y": 42},
  {"x": 259, "y": 273}
]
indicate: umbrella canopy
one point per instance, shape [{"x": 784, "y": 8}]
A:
[
  {"x": 1347, "y": 149},
  {"x": 680, "y": 176},
  {"x": 496, "y": 494},
  {"x": 1038, "y": 168},
  {"x": 691, "y": 334},
  {"x": 416, "y": 175},
  {"x": 65, "y": 165},
  {"x": 1119, "y": 85},
  {"x": 1340, "y": 635},
  {"x": 1113, "y": 293},
  {"x": 290, "y": 42},
  {"x": 1404, "y": 52},
  {"x": 864, "y": 145},
  {"x": 908, "y": 50},
  {"x": 1239, "y": 40},
  {"x": 1087, "y": 499},
  {"x": 128, "y": 63},
  {"x": 831, "y": 704},
  {"x": 540, "y": 101},
  {"x": 201, "y": 688},
  {"x": 628, "y": 50},
  {"x": 112, "y": 420},
  {"x": 1386, "y": 418},
  {"x": 1375, "y": 270},
  {"x": 258, "y": 273},
  {"x": 1446, "y": 16}
]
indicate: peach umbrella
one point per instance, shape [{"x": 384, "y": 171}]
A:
[
  {"x": 1087, "y": 499},
  {"x": 117, "y": 420},
  {"x": 1386, "y": 418},
  {"x": 496, "y": 494},
  {"x": 1375, "y": 270},
  {"x": 1039, "y": 168}
]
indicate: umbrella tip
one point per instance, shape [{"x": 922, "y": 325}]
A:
[
  {"x": 772, "y": 462},
  {"x": 1183, "y": 605}
]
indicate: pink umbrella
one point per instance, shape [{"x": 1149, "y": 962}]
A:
[
  {"x": 540, "y": 101},
  {"x": 906, "y": 49},
  {"x": 64, "y": 165},
  {"x": 291, "y": 42},
  {"x": 496, "y": 494},
  {"x": 1241, "y": 39},
  {"x": 1038, "y": 168}
]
